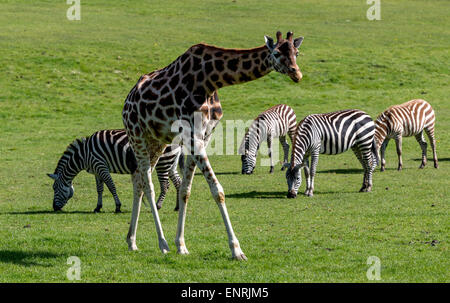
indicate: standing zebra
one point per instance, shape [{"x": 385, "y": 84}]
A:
[
  {"x": 105, "y": 152},
  {"x": 277, "y": 121},
  {"x": 331, "y": 133},
  {"x": 405, "y": 120}
]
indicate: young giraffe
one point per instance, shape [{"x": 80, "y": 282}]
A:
[{"x": 176, "y": 93}]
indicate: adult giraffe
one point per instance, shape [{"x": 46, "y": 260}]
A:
[{"x": 185, "y": 87}]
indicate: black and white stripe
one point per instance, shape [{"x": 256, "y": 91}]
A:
[
  {"x": 331, "y": 133},
  {"x": 276, "y": 122},
  {"x": 103, "y": 153}
]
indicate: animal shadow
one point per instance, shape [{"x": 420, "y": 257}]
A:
[
  {"x": 259, "y": 195},
  {"x": 26, "y": 258}
]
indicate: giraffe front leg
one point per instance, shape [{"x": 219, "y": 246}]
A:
[
  {"x": 184, "y": 193},
  {"x": 99, "y": 183},
  {"x": 137, "y": 200},
  {"x": 202, "y": 161}
]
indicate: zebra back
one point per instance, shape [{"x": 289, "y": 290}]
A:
[
  {"x": 333, "y": 132},
  {"x": 407, "y": 119}
]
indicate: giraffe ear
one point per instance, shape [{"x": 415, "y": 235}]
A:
[
  {"x": 269, "y": 43},
  {"x": 53, "y": 176},
  {"x": 298, "y": 42}
]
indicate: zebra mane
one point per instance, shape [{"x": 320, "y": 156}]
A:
[{"x": 68, "y": 153}]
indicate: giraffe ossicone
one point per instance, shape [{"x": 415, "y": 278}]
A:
[{"x": 187, "y": 86}]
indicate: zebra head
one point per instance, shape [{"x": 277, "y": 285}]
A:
[
  {"x": 248, "y": 158},
  {"x": 283, "y": 55},
  {"x": 62, "y": 192},
  {"x": 294, "y": 180},
  {"x": 248, "y": 163}
]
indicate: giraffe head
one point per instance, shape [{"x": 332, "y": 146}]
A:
[{"x": 283, "y": 55}]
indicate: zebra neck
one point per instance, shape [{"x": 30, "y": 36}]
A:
[{"x": 70, "y": 164}]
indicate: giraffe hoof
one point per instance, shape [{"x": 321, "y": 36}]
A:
[
  {"x": 182, "y": 251},
  {"x": 132, "y": 247},
  {"x": 240, "y": 257},
  {"x": 163, "y": 246}
]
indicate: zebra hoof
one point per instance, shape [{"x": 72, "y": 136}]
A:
[
  {"x": 175, "y": 209},
  {"x": 97, "y": 210},
  {"x": 118, "y": 211},
  {"x": 309, "y": 193},
  {"x": 436, "y": 165},
  {"x": 399, "y": 168},
  {"x": 382, "y": 169}
]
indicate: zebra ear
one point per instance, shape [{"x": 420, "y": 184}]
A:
[{"x": 53, "y": 176}]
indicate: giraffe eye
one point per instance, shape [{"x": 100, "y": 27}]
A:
[{"x": 276, "y": 54}]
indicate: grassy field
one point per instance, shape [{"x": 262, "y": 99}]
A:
[{"x": 64, "y": 79}]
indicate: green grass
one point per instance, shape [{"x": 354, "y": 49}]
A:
[{"x": 62, "y": 80}]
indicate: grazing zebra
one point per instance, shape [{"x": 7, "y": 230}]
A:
[
  {"x": 277, "y": 121},
  {"x": 331, "y": 133},
  {"x": 105, "y": 152},
  {"x": 405, "y": 120}
]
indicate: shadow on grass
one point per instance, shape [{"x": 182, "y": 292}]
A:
[
  {"x": 51, "y": 212},
  {"x": 221, "y": 173},
  {"x": 431, "y": 159},
  {"x": 259, "y": 195},
  {"x": 26, "y": 258},
  {"x": 342, "y": 171}
]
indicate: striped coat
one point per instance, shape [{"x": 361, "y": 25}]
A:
[
  {"x": 103, "y": 153},
  {"x": 408, "y": 119},
  {"x": 331, "y": 133},
  {"x": 278, "y": 121}
]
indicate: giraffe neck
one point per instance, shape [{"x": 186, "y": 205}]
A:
[{"x": 219, "y": 67}]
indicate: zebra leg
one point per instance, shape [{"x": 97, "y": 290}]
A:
[
  {"x": 176, "y": 180},
  {"x": 430, "y": 134},
  {"x": 163, "y": 184},
  {"x": 383, "y": 150},
  {"x": 285, "y": 151},
  {"x": 361, "y": 160},
  {"x": 398, "y": 143},
  {"x": 314, "y": 161},
  {"x": 307, "y": 176},
  {"x": 99, "y": 183},
  {"x": 423, "y": 145},
  {"x": 369, "y": 165},
  {"x": 269, "y": 145},
  {"x": 112, "y": 188}
]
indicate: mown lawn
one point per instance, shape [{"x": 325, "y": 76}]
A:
[{"x": 65, "y": 79}]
